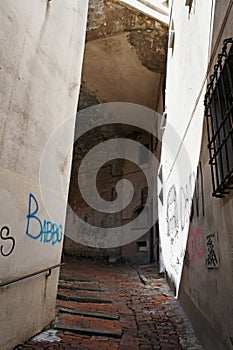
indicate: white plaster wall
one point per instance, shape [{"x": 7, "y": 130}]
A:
[
  {"x": 210, "y": 290},
  {"x": 186, "y": 69},
  {"x": 42, "y": 44}
]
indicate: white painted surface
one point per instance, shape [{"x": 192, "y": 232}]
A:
[
  {"x": 41, "y": 55},
  {"x": 206, "y": 279},
  {"x": 154, "y": 9},
  {"x": 41, "y": 59},
  {"x": 186, "y": 70}
]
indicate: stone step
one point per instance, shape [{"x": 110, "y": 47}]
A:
[
  {"x": 82, "y": 299},
  {"x": 89, "y": 314},
  {"x": 77, "y": 279},
  {"x": 85, "y": 293},
  {"x": 88, "y": 289},
  {"x": 87, "y": 325},
  {"x": 88, "y": 331},
  {"x": 109, "y": 309}
]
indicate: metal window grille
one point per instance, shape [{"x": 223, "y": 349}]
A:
[{"x": 219, "y": 116}]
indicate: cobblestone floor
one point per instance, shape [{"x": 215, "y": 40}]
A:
[{"x": 115, "y": 307}]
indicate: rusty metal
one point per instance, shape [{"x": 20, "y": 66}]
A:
[
  {"x": 219, "y": 120},
  {"x": 48, "y": 270}
]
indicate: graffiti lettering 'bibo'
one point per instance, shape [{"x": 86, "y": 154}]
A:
[{"x": 47, "y": 232}]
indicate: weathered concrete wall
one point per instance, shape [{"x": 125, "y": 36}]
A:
[
  {"x": 41, "y": 54},
  {"x": 207, "y": 282}
]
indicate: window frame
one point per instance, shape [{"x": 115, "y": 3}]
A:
[{"x": 219, "y": 119}]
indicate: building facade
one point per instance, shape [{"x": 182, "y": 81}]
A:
[
  {"x": 196, "y": 216},
  {"x": 42, "y": 45}
]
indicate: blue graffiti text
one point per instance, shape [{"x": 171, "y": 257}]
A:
[{"x": 45, "y": 231}]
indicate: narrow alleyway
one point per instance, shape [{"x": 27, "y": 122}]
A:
[{"x": 103, "y": 306}]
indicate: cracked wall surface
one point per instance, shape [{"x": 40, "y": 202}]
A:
[{"x": 145, "y": 34}]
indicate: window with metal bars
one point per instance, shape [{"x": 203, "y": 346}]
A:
[{"x": 219, "y": 117}]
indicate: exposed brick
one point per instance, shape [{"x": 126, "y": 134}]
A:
[{"x": 147, "y": 319}]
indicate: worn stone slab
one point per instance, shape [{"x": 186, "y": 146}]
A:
[
  {"x": 78, "y": 279},
  {"x": 83, "y": 299},
  {"x": 88, "y": 289},
  {"x": 109, "y": 309},
  {"x": 89, "y": 314},
  {"x": 88, "y": 331}
]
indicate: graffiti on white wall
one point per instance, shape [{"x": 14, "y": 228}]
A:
[
  {"x": 172, "y": 224},
  {"x": 182, "y": 140},
  {"x": 212, "y": 261},
  {"x": 177, "y": 218},
  {"x": 182, "y": 210},
  {"x": 201, "y": 245},
  {"x": 42, "y": 230},
  {"x": 7, "y": 242},
  {"x": 172, "y": 212},
  {"x": 196, "y": 238},
  {"x": 196, "y": 244}
]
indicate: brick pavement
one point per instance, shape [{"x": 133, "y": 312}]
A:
[{"x": 115, "y": 307}]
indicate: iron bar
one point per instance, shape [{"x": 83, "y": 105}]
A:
[{"x": 48, "y": 269}]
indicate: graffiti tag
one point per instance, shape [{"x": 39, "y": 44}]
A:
[
  {"x": 196, "y": 244},
  {"x": 46, "y": 232},
  {"x": 172, "y": 213},
  {"x": 212, "y": 260},
  {"x": 8, "y": 245}
]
